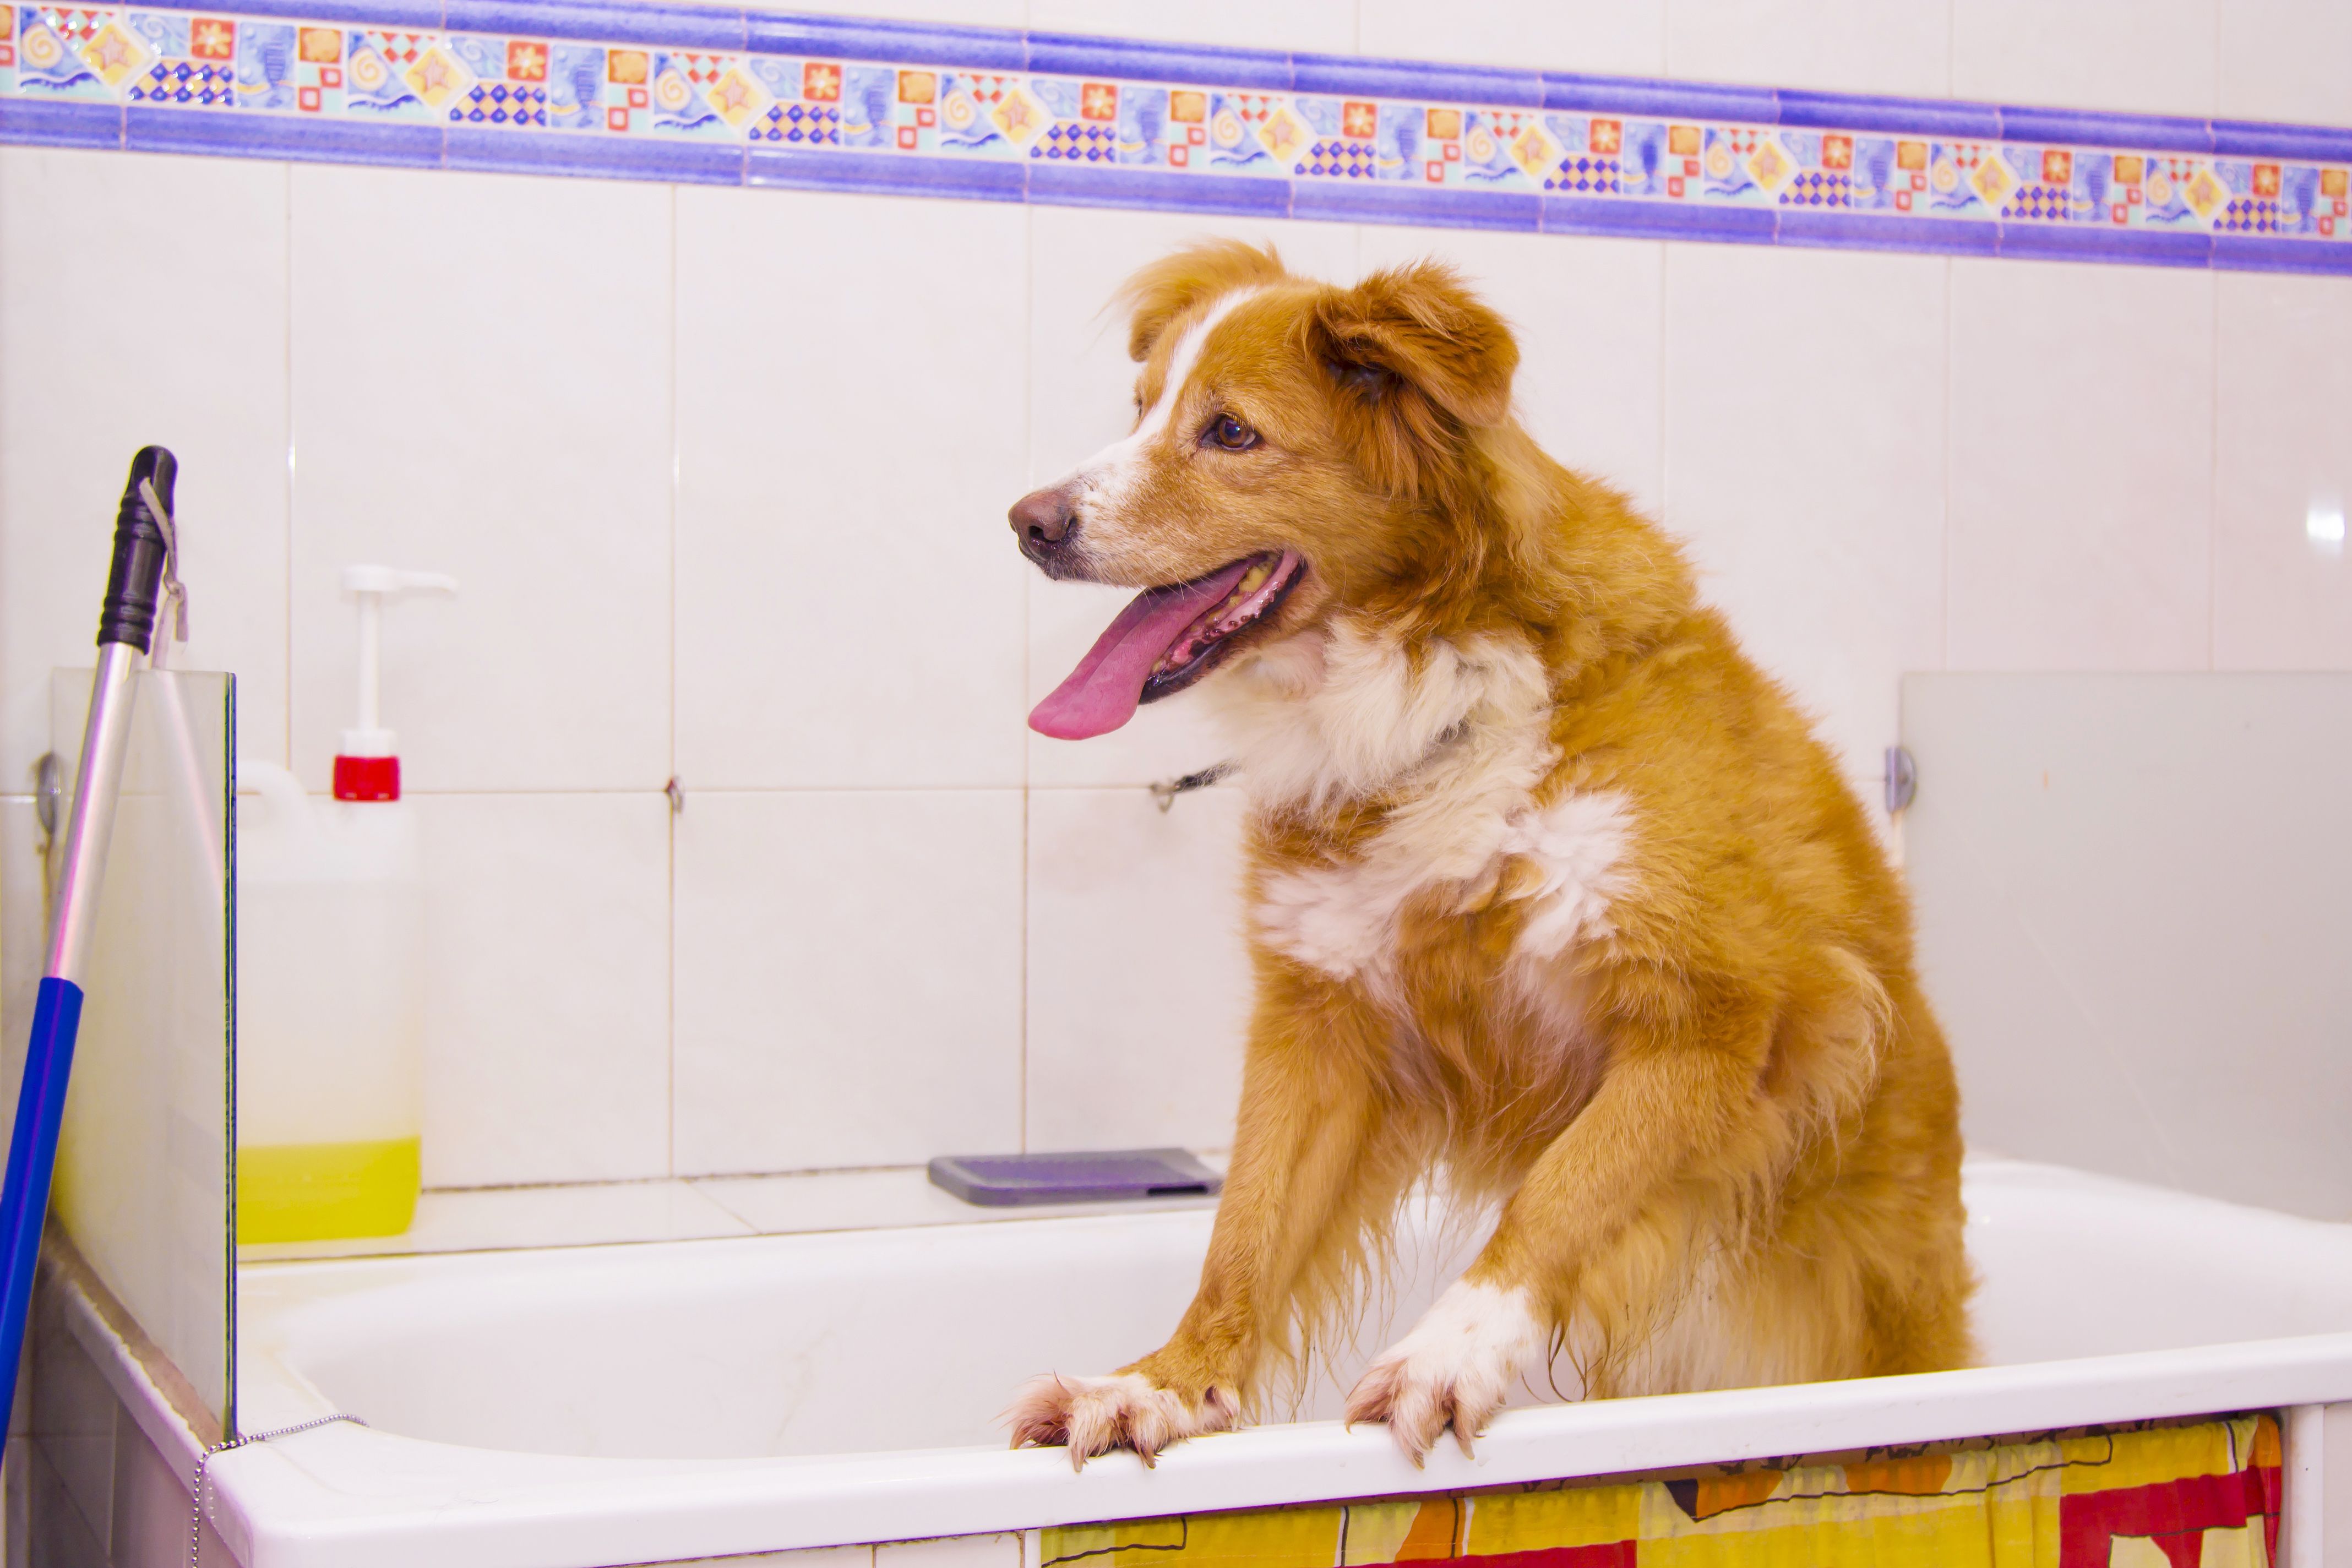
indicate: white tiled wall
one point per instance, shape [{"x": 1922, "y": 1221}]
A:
[
  {"x": 2086, "y": 394},
  {"x": 723, "y": 473},
  {"x": 481, "y": 373},
  {"x": 848, "y": 977}
]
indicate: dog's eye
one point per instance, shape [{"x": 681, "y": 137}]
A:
[{"x": 1232, "y": 433}]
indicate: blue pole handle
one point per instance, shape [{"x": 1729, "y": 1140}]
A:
[{"x": 32, "y": 1157}]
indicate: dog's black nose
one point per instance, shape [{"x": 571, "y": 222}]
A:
[{"x": 1043, "y": 519}]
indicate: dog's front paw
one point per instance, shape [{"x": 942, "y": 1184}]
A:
[
  {"x": 1452, "y": 1370},
  {"x": 1095, "y": 1414}
]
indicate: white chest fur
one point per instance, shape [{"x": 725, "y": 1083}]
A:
[
  {"x": 1342, "y": 919},
  {"x": 1463, "y": 733}
]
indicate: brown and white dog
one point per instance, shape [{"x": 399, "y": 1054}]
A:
[{"x": 1550, "y": 891}]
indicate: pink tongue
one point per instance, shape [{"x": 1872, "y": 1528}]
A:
[{"x": 1101, "y": 694}]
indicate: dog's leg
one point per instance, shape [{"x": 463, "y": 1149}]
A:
[
  {"x": 1300, "y": 1151},
  {"x": 1662, "y": 1106}
]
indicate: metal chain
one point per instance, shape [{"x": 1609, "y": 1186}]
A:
[
  {"x": 1166, "y": 792},
  {"x": 196, "y": 1497}
]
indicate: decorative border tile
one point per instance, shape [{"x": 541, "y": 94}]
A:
[{"x": 662, "y": 91}]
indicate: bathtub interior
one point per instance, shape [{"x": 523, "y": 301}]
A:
[{"x": 872, "y": 1341}]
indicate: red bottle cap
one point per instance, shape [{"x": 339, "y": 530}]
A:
[{"x": 367, "y": 778}]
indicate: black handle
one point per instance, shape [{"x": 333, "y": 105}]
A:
[{"x": 134, "y": 582}]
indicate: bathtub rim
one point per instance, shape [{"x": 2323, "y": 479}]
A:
[{"x": 347, "y": 1498}]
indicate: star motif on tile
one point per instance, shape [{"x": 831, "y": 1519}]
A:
[
  {"x": 729, "y": 95},
  {"x": 1282, "y": 133}
]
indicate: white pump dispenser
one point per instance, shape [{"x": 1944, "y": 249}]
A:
[
  {"x": 330, "y": 977},
  {"x": 367, "y": 767}
]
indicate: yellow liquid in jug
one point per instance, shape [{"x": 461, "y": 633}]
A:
[{"x": 326, "y": 1191}]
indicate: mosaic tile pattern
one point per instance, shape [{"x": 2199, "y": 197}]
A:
[{"x": 740, "y": 97}]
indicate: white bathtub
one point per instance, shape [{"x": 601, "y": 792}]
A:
[{"x": 572, "y": 1409}]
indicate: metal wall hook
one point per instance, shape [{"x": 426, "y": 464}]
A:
[
  {"x": 1902, "y": 780},
  {"x": 49, "y": 792}
]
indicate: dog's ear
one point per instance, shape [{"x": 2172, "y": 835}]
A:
[
  {"x": 1175, "y": 283},
  {"x": 1414, "y": 341}
]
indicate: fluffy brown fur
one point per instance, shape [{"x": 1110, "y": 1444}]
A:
[{"x": 1552, "y": 893}]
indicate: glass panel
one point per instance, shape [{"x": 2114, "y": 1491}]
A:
[
  {"x": 2134, "y": 893},
  {"x": 143, "y": 1182}
]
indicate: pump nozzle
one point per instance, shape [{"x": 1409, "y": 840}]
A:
[{"x": 366, "y": 767}]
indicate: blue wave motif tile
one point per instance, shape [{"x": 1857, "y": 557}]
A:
[{"x": 661, "y": 90}]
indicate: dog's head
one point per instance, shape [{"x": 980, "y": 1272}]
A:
[{"x": 1298, "y": 449}]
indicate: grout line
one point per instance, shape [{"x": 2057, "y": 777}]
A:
[
  {"x": 1666, "y": 316},
  {"x": 2213, "y": 476},
  {"x": 2213, "y": 104},
  {"x": 669, "y": 1015},
  {"x": 1662, "y": 382},
  {"x": 1951, "y": 49},
  {"x": 1951, "y": 418},
  {"x": 806, "y": 1171},
  {"x": 525, "y": 792},
  {"x": 286, "y": 698},
  {"x": 1028, "y": 445}
]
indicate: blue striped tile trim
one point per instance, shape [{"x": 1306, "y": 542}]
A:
[
  {"x": 673, "y": 91},
  {"x": 36, "y": 124}
]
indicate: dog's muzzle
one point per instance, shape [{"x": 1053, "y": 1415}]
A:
[{"x": 1045, "y": 522}]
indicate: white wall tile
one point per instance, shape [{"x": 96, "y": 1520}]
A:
[
  {"x": 850, "y": 432},
  {"x": 547, "y": 1009},
  {"x": 1081, "y": 398},
  {"x": 2081, "y": 467},
  {"x": 2282, "y": 600},
  {"x": 2283, "y": 59},
  {"x": 1841, "y": 46},
  {"x": 150, "y": 1522},
  {"x": 481, "y": 387},
  {"x": 1624, "y": 37},
  {"x": 1327, "y": 26},
  {"x": 1805, "y": 466},
  {"x": 57, "y": 1535},
  {"x": 2154, "y": 55},
  {"x": 142, "y": 299},
  {"x": 1139, "y": 978},
  {"x": 73, "y": 1412},
  {"x": 848, "y": 978},
  {"x": 1587, "y": 316}
]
